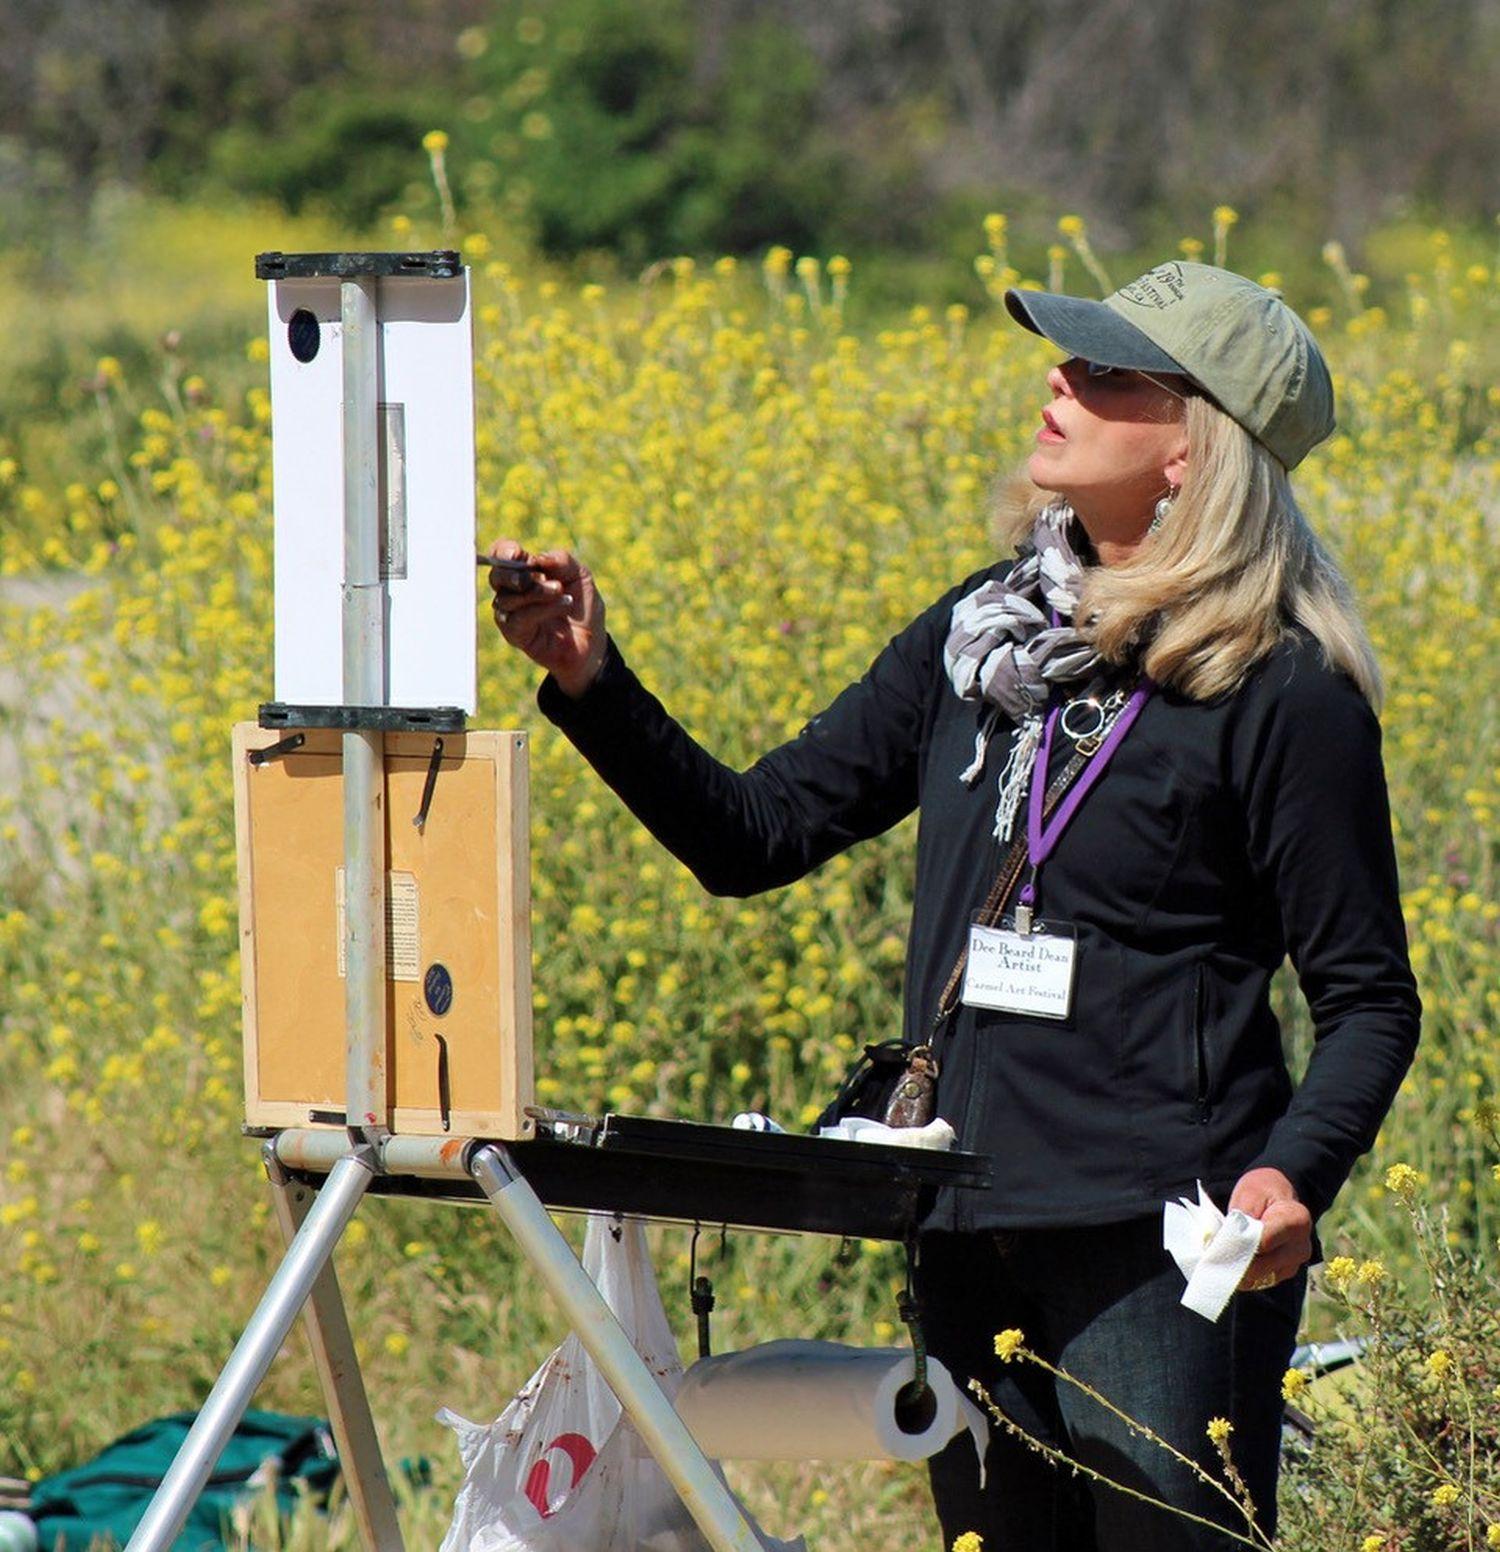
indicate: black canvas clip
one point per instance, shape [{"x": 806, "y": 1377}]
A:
[
  {"x": 276, "y": 750},
  {"x": 430, "y": 784}
]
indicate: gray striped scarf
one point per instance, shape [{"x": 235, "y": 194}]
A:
[{"x": 1003, "y": 650}]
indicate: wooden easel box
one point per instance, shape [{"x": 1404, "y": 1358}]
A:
[{"x": 466, "y": 1071}]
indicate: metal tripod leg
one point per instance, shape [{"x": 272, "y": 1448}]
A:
[
  {"x": 338, "y": 1372},
  {"x": 702, "y": 1492},
  {"x": 273, "y": 1319}
]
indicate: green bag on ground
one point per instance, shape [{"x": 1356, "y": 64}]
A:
[{"x": 98, "y": 1505}]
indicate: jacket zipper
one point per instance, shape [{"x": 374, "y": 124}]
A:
[
  {"x": 979, "y": 1075},
  {"x": 1201, "y": 1107}
]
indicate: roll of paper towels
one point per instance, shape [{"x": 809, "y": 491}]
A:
[{"x": 794, "y": 1400}]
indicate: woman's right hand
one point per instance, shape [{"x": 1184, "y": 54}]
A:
[{"x": 557, "y": 620}]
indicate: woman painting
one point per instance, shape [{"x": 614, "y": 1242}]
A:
[{"x": 1162, "y": 705}]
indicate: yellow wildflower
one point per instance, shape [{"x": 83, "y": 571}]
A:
[
  {"x": 1370, "y": 1273},
  {"x": 970, "y": 1541},
  {"x": 1403, "y": 1180},
  {"x": 1444, "y": 1497},
  {"x": 1009, "y": 1342},
  {"x": 1439, "y": 1363},
  {"x": 1293, "y": 1383},
  {"x": 435, "y": 142},
  {"x": 1219, "y": 1429},
  {"x": 1071, "y": 226},
  {"x": 1372, "y": 1543}
]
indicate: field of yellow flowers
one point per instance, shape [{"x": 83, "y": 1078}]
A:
[{"x": 766, "y": 496}]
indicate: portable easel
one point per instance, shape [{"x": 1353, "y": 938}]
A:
[{"x": 320, "y": 1172}]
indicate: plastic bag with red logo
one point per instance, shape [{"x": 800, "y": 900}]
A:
[{"x": 561, "y": 1469}]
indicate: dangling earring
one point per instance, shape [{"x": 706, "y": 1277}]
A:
[{"x": 1163, "y": 511}]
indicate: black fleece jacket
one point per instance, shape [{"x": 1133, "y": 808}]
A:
[{"x": 1224, "y": 836}]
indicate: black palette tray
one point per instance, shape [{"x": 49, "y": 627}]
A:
[{"x": 687, "y": 1172}]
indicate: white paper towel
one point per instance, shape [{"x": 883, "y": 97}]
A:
[
  {"x": 794, "y": 1400},
  {"x": 1211, "y": 1250},
  {"x": 936, "y": 1134}
]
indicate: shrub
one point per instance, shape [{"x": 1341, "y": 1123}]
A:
[{"x": 1407, "y": 1450}]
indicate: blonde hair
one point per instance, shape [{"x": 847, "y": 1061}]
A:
[{"x": 1232, "y": 567}]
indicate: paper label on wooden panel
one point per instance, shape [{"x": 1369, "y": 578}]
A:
[{"x": 403, "y": 948}]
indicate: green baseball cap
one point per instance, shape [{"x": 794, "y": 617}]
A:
[{"x": 1237, "y": 341}]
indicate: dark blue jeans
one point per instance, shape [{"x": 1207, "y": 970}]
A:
[{"x": 1101, "y": 1303}]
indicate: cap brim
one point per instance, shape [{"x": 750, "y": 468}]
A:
[{"x": 1090, "y": 330}]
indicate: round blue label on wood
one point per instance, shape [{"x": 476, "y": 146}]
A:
[{"x": 437, "y": 988}]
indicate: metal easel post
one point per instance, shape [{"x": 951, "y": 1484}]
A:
[
  {"x": 268, "y": 1328},
  {"x": 338, "y": 1372},
  {"x": 364, "y": 684},
  {"x": 703, "y": 1494},
  {"x": 364, "y": 750}
]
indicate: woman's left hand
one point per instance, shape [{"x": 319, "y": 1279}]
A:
[{"x": 1286, "y": 1238}]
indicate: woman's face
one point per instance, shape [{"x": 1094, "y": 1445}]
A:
[{"x": 1110, "y": 445}]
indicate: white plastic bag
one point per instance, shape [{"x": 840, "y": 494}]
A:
[{"x": 561, "y": 1469}]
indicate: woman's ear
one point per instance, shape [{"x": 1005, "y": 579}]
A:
[{"x": 1174, "y": 471}]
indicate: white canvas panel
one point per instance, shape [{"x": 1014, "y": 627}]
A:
[{"x": 425, "y": 366}]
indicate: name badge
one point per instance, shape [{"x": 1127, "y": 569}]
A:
[{"x": 1021, "y": 972}]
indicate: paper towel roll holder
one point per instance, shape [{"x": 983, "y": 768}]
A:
[
  {"x": 701, "y": 1290},
  {"x": 915, "y": 1406}
]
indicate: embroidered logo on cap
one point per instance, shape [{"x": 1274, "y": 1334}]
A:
[{"x": 1159, "y": 287}]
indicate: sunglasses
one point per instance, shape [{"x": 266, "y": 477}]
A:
[{"x": 1097, "y": 371}]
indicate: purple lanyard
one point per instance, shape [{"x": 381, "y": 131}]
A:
[{"x": 1042, "y": 838}]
